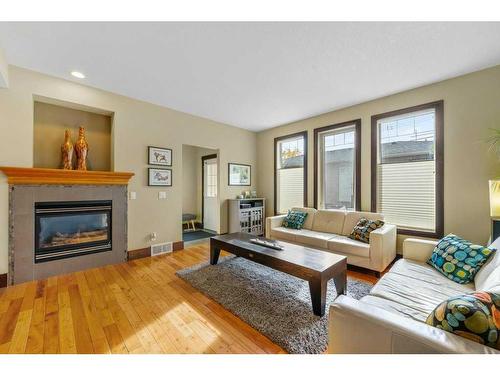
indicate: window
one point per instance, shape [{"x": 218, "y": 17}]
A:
[
  {"x": 211, "y": 179},
  {"x": 290, "y": 177},
  {"x": 337, "y": 164},
  {"x": 407, "y": 169}
]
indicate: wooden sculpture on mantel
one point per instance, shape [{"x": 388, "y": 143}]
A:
[
  {"x": 67, "y": 151},
  {"x": 81, "y": 150}
]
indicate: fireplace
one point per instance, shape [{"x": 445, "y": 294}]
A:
[
  {"x": 71, "y": 229},
  {"x": 49, "y": 233}
]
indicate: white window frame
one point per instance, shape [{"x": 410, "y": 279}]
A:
[{"x": 211, "y": 178}]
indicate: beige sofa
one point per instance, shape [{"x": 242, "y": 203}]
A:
[
  {"x": 328, "y": 230},
  {"x": 391, "y": 319}
]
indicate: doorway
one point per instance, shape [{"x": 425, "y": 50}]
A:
[{"x": 200, "y": 193}]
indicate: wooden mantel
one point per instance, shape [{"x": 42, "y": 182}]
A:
[{"x": 45, "y": 176}]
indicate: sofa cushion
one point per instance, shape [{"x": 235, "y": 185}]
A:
[
  {"x": 409, "y": 312},
  {"x": 492, "y": 282},
  {"x": 363, "y": 228},
  {"x": 488, "y": 277},
  {"x": 285, "y": 234},
  {"x": 458, "y": 259},
  {"x": 473, "y": 316},
  {"x": 310, "y": 216},
  {"x": 313, "y": 238},
  {"x": 414, "y": 289},
  {"x": 294, "y": 219},
  {"x": 352, "y": 218},
  {"x": 345, "y": 245},
  {"x": 329, "y": 221}
]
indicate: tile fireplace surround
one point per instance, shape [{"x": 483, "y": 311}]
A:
[{"x": 22, "y": 199}]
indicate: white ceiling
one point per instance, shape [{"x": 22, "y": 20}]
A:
[{"x": 253, "y": 75}]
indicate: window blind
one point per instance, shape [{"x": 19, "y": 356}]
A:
[
  {"x": 290, "y": 188},
  {"x": 406, "y": 194}
]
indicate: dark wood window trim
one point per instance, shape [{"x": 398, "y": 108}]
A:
[
  {"x": 276, "y": 140},
  {"x": 439, "y": 160},
  {"x": 357, "y": 187},
  {"x": 203, "y": 158}
]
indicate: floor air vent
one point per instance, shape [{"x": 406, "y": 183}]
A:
[{"x": 161, "y": 248}]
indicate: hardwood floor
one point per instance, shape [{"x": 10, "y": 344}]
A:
[{"x": 136, "y": 307}]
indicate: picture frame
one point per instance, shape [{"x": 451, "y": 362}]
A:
[
  {"x": 159, "y": 177},
  {"x": 159, "y": 156},
  {"x": 239, "y": 174}
]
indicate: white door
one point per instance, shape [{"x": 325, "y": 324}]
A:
[{"x": 210, "y": 198}]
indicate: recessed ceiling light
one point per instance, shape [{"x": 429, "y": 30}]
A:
[{"x": 77, "y": 74}]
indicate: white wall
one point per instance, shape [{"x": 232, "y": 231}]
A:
[{"x": 189, "y": 180}]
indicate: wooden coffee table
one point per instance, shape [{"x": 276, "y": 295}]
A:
[{"x": 314, "y": 266}]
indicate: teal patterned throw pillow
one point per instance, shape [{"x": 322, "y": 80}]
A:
[
  {"x": 458, "y": 259},
  {"x": 294, "y": 219}
]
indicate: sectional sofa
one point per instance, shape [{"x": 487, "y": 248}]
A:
[
  {"x": 328, "y": 230},
  {"x": 394, "y": 312}
]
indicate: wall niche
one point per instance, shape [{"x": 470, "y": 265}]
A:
[{"x": 50, "y": 122}]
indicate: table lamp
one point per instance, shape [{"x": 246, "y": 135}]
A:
[{"x": 495, "y": 209}]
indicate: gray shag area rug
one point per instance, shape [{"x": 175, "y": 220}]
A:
[{"x": 276, "y": 304}]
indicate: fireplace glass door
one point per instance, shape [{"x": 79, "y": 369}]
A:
[{"x": 68, "y": 229}]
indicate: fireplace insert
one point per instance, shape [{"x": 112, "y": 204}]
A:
[{"x": 70, "y": 229}]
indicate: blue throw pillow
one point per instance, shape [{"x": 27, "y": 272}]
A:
[
  {"x": 294, "y": 219},
  {"x": 459, "y": 260}
]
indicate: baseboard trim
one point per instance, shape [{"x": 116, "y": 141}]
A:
[
  {"x": 179, "y": 245},
  {"x": 139, "y": 253},
  {"x": 146, "y": 251},
  {"x": 3, "y": 280}
]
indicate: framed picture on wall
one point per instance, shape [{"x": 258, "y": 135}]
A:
[
  {"x": 239, "y": 174},
  {"x": 159, "y": 156},
  {"x": 159, "y": 177}
]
